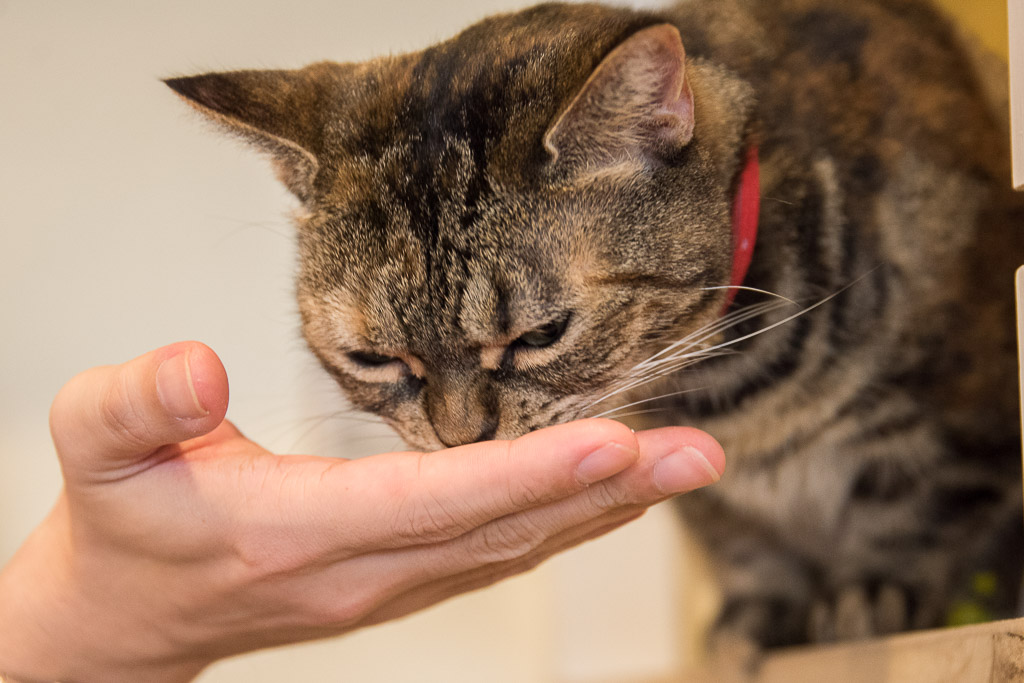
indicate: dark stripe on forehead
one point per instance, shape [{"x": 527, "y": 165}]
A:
[
  {"x": 502, "y": 315},
  {"x": 442, "y": 119},
  {"x": 434, "y": 310}
]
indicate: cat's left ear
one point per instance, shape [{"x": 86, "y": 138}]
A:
[
  {"x": 636, "y": 106},
  {"x": 274, "y": 110}
]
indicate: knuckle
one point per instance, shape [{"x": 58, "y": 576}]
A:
[
  {"x": 604, "y": 496},
  {"x": 121, "y": 416},
  {"x": 344, "y": 610},
  {"x": 523, "y": 491},
  {"x": 267, "y": 550},
  {"x": 527, "y": 489},
  {"x": 425, "y": 519},
  {"x": 509, "y": 539},
  {"x": 307, "y": 601},
  {"x": 260, "y": 557},
  {"x": 420, "y": 515},
  {"x": 525, "y": 494},
  {"x": 124, "y": 422}
]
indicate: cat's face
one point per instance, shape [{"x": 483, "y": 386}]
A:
[
  {"x": 486, "y": 250},
  {"x": 515, "y": 320}
]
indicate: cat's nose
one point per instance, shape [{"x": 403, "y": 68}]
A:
[
  {"x": 463, "y": 434},
  {"x": 460, "y": 414}
]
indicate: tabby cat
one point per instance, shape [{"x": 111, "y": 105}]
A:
[{"x": 535, "y": 221}]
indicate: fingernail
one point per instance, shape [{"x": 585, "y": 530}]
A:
[
  {"x": 607, "y": 460},
  {"x": 684, "y": 470},
  {"x": 175, "y": 389}
]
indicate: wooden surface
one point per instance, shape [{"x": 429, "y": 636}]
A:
[
  {"x": 985, "y": 19},
  {"x": 985, "y": 653},
  {"x": 1015, "y": 16},
  {"x": 989, "y": 653}
]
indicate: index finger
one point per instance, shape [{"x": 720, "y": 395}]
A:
[{"x": 404, "y": 499}]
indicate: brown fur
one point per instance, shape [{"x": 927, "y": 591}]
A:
[{"x": 504, "y": 228}]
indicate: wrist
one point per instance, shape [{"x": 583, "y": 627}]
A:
[
  {"x": 27, "y": 641},
  {"x": 49, "y": 632},
  {"x": 4, "y": 678}
]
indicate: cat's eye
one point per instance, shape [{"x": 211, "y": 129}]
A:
[
  {"x": 545, "y": 335},
  {"x": 369, "y": 359}
]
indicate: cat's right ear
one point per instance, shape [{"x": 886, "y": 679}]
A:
[
  {"x": 636, "y": 107},
  {"x": 273, "y": 110}
]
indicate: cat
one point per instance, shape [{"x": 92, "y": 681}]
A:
[{"x": 552, "y": 215}]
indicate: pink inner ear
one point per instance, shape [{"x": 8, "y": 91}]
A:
[
  {"x": 636, "y": 102},
  {"x": 676, "y": 106}
]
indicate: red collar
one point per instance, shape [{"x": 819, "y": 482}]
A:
[{"x": 746, "y": 206}]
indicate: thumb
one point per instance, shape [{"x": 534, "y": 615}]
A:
[{"x": 109, "y": 419}]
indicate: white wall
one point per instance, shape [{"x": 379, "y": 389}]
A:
[{"x": 125, "y": 224}]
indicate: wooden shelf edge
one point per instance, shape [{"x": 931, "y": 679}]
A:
[
  {"x": 1015, "y": 17},
  {"x": 983, "y": 653}
]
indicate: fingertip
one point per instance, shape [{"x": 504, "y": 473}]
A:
[
  {"x": 209, "y": 380},
  {"x": 191, "y": 383},
  {"x": 684, "y": 458},
  {"x": 708, "y": 447},
  {"x": 596, "y": 448}
]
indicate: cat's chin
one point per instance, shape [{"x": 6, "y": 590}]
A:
[
  {"x": 430, "y": 443},
  {"x": 416, "y": 442}
]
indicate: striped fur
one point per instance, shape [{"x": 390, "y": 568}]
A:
[{"x": 462, "y": 200}]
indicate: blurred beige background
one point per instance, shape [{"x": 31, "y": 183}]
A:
[{"x": 126, "y": 223}]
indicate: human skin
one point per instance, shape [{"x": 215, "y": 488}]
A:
[{"x": 176, "y": 541}]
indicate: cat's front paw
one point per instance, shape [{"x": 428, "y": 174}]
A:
[
  {"x": 768, "y": 622},
  {"x": 860, "y": 611}
]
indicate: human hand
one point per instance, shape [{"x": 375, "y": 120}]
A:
[{"x": 177, "y": 541}]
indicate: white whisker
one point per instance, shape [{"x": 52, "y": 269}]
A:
[
  {"x": 715, "y": 328},
  {"x": 636, "y": 412},
  {"x": 752, "y": 289},
  {"x": 676, "y": 362},
  {"x": 682, "y": 353},
  {"x": 657, "y": 373},
  {"x": 653, "y": 366},
  {"x": 645, "y": 400},
  {"x": 787, "y": 319}
]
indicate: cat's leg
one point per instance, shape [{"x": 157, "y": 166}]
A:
[
  {"x": 906, "y": 536},
  {"x": 766, "y": 594},
  {"x": 766, "y": 589},
  {"x": 911, "y": 536},
  {"x": 859, "y": 610}
]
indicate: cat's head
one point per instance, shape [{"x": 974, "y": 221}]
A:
[{"x": 497, "y": 229}]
